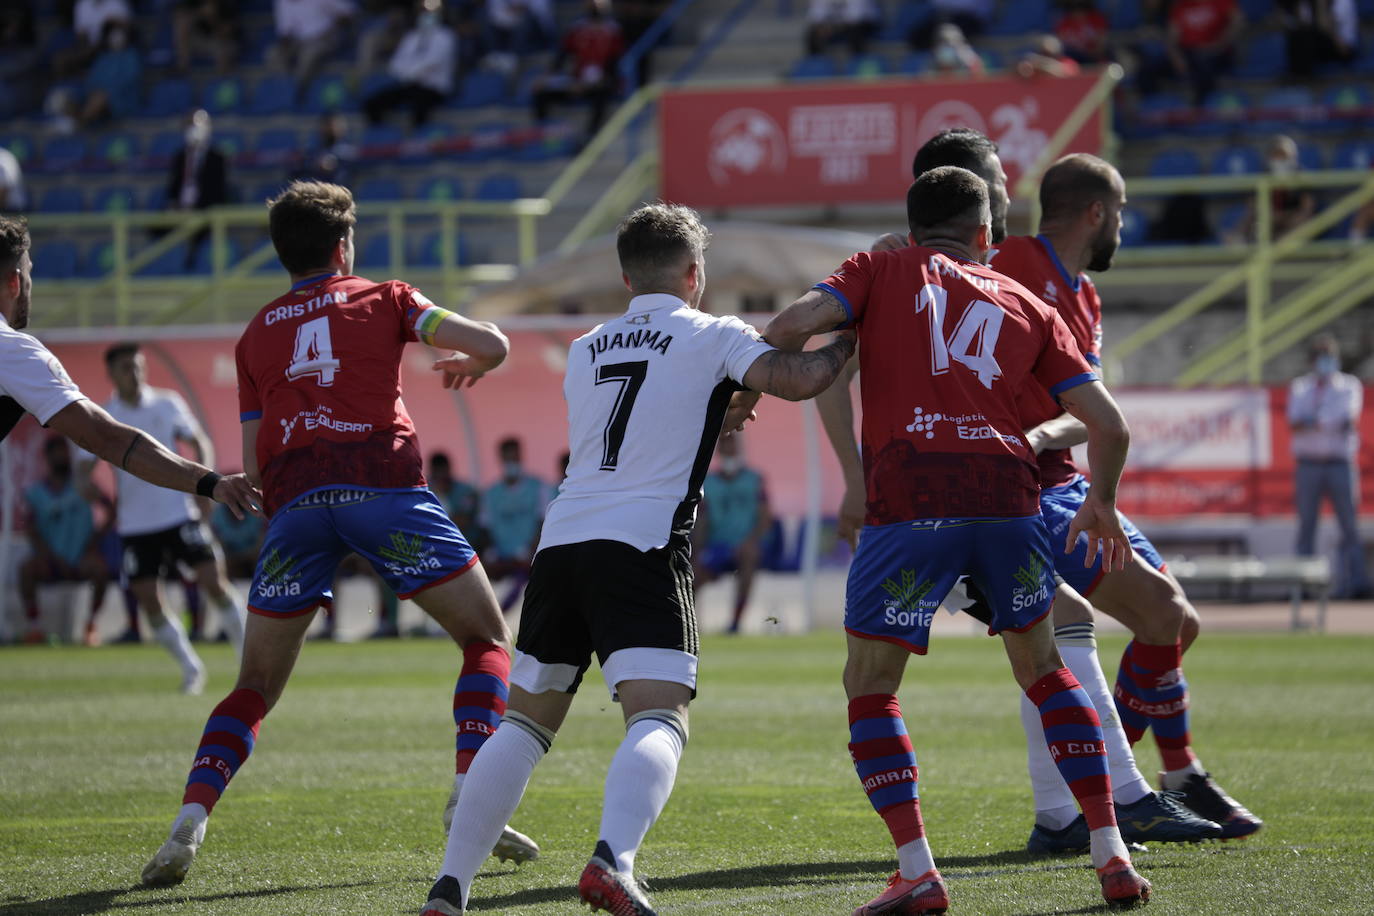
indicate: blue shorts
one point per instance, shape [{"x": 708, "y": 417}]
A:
[
  {"x": 406, "y": 535},
  {"x": 902, "y": 572},
  {"x": 1058, "y": 506},
  {"x": 719, "y": 558}
]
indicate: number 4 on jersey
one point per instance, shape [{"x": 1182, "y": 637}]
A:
[
  {"x": 314, "y": 353},
  {"x": 974, "y": 338}
]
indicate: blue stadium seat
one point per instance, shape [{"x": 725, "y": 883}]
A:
[
  {"x": 914, "y": 62},
  {"x": 276, "y": 146},
  {"x": 1257, "y": 10},
  {"x": 992, "y": 60},
  {"x": 230, "y": 142},
  {"x": 328, "y": 93},
  {"x": 418, "y": 150},
  {"x": 441, "y": 189},
  {"x": 487, "y": 138},
  {"x": 426, "y": 252},
  {"x": 55, "y": 260},
  {"x": 65, "y": 199},
  {"x": 868, "y": 66},
  {"x": 500, "y": 186},
  {"x": 266, "y": 191},
  {"x": 373, "y": 190},
  {"x": 1354, "y": 155},
  {"x": 1023, "y": 17},
  {"x": 1288, "y": 97},
  {"x": 1171, "y": 163},
  {"x": 909, "y": 16},
  {"x": 376, "y": 251},
  {"x": 1134, "y": 228},
  {"x": 1225, "y": 111},
  {"x": 272, "y": 95},
  {"x": 156, "y": 199},
  {"x": 1311, "y": 157},
  {"x": 169, "y": 98},
  {"x": 1348, "y": 96},
  {"x": 168, "y": 264},
  {"x": 481, "y": 88},
  {"x": 164, "y": 145},
  {"x": 1237, "y": 160},
  {"x": 204, "y": 263},
  {"x": 119, "y": 198},
  {"x": 382, "y": 135},
  {"x": 544, "y": 149},
  {"x": 21, "y": 145},
  {"x": 63, "y": 154},
  {"x": 1228, "y": 222},
  {"x": 813, "y": 68},
  {"x": 116, "y": 151},
  {"x": 98, "y": 262},
  {"x": 1263, "y": 57},
  {"x": 256, "y": 42},
  {"x": 1123, "y": 15},
  {"x": 224, "y": 95}
]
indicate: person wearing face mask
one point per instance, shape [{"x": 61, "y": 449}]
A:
[
  {"x": 732, "y": 527},
  {"x": 198, "y": 176},
  {"x": 1324, "y": 414},
  {"x": 111, "y": 85},
  {"x": 422, "y": 67},
  {"x": 62, "y": 538},
  {"x": 512, "y": 512},
  {"x": 585, "y": 67}
]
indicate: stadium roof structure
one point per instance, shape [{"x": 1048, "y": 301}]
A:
[{"x": 744, "y": 257}]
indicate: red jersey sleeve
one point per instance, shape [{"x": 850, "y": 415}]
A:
[
  {"x": 250, "y": 402},
  {"x": 1093, "y": 351},
  {"x": 1060, "y": 365},
  {"x": 851, "y": 284}
]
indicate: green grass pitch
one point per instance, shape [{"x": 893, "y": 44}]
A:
[{"x": 338, "y": 811}]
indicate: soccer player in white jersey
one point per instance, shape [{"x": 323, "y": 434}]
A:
[
  {"x": 160, "y": 528},
  {"x": 647, "y": 395},
  {"x": 33, "y": 381}
]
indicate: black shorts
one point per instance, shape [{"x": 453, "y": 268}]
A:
[
  {"x": 148, "y": 556},
  {"x": 634, "y": 609}
]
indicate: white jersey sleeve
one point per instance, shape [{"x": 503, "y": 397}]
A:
[
  {"x": 31, "y": 376},
  {"x": 647, "y": 394}
]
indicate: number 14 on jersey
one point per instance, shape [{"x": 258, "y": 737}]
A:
[{"x": 974, "y": 338}]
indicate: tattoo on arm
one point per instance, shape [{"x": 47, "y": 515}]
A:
[
  {"x": 133, "y": 443},
  {"x": 801, "y": 375}
]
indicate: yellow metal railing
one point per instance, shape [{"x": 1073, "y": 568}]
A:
[{"x": 1334, "y": 271}]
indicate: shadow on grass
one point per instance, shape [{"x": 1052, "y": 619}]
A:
[{"x": 110, "y": 901}]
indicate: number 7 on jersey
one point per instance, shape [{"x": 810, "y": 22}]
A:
[{"x": 631, "y": 379}]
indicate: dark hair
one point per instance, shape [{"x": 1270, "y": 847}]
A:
[
  {"x": 946, "y": 200},
  {"x": 14, "y": 241},
  {"x": 123, "y": 348},
  {"x": 658, "y": 240},
  {"x": 439, "y": 459},
  {"x": 508, "y": 443},
  {"x": 54, "y": 443},
  {"x": 307, "y": 220},
  {"x": 961, "y": 146},
  {"x": 1075, "y": 183}
]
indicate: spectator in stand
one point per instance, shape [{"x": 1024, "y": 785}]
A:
[
  {"x": 636, "y": 17},
  {"x": 1318, "y": 31},
  {"x": 198, "y": 177},
  {"x": 308, "y": 31},
  {"x": 383, "y": 32},
  {"x": 1046, "y": 58},
  {"x": 13, "y": 197},
  {"x": 422, "y": 68},
  {"x": 731, "y": 529},
  {"x": 112, "y": 83},
  {"x": 241, "y": 540},
  {"x": 21, "y": 61},
  {"x": 847, "y": 22},
  {"x": 512, "y": 513},
  {"x": 971, "y": 16},
  {"x": 1201, "y": 42},
  {"x": 517, "y": 27},
  {"x": 331, "y": 156},
  {"x": 953, "y": 55},
  {"x": 1324, "y": 412},
  {"x": 1083, "y": 31},
  {"x": 62, "y": 537},
  {"x": 585, "y": 66},
  {"x": 209, "y": 27},
  {"x": 459, "y": 497},
  {"x": 1289, "y": 207}
]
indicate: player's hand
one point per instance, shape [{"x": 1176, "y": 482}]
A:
[
  {"x": 1099, "y": 522},
  {"x": 741, "y": 410},
  {"x": 852, "y": 509},
  {"x": 239, "y": 495},
  {"x": 462, "y": 371},
  {"x": 890, "y": 242}
]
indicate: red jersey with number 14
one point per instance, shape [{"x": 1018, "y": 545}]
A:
[
  {"x": 321, "y": 368},
  {"x": 1032, "y": 262},
  {"x": 944, "y": 345}
]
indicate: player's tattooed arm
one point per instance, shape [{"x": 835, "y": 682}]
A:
[
  {"x": 797, "y": 376},
  {"x": 816, "y": 312}
]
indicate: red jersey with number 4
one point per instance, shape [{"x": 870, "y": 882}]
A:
[
  {"x": 944, "y": 345},
  {"x": 1032, "y": 262},
  {"x": 321, "y": 368}
]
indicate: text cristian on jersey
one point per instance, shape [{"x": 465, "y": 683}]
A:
[
  {"x": 297, "y": 309},
  {"x": 654, "y": 340}
]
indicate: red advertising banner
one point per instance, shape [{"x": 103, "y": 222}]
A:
[{"x": 853, "y": 142}]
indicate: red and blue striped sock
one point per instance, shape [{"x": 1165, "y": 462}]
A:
[
  {"x": 886, "y": 764},
  {"x": 1151, "y": 692},
  {"x": 228, "y": 739},
  {"x": 479, "y": 698},
  {"x": 1074, "y": 736}
]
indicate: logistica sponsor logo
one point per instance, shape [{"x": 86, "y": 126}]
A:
[
  {"x": 966, "y": 426},
  {"x": 277, "y": 578},
  {"x": 407, "y": 555},
  {"x": 908, "y": 605},
  {"x": 1032, "y": 585}
]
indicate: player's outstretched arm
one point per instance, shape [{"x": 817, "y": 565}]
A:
[
  {"x": 483, "y": 347},
  {"x": 1063, "y": 431},
  {"x": 814, "y": 313},
  {"x": 250, "y": 453},
  {"x": 89, "y": 426},
  {"x": 1108, "y": 441},
  {"x": 797, "y": 376},
  {"x": 836, "y": 407}
]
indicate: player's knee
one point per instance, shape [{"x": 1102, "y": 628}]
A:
[
  {"x": 1192, "y": 625},
  {"x": 1070, "y": 608},
  {"x": 1168, "y": 611}
]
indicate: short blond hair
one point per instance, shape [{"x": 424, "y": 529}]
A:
[{"x": 307, "y": 220}]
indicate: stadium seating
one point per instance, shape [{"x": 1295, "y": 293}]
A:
[
  {"x": 1264, "y": 56},
  {"x": 481, "y": 88},
  {"x": 63, "y": 154},
  {"x": 328, "y": 93},
  {"x": 816, "y": 67},
  {"x": 62, "y": 199},
  {"x": 1171, "y": 163},
  {"x": 116, "y": 151},
  {"x": 56, "y": 260},
  {"x": 375, "y": 252},
  {"x": 272, "y": 95},
  {"x": 1354, "y": 154},
  {"x": 443, "y": 188},
  {"x": 115, "y": 199},
  {"x": 224, "y": 95},
  {"x": 868, "y": 66},
  {"x": 427, "y": 252},
  {"x": 1237, "y": 160},
  {"x": 169, "y": 98},
  {"x": 378, "y": 190},
  {"x": 498, "y": 187}
]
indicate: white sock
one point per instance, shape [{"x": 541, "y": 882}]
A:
[
  {"x": 1055, "y": 806},
  {"x": 233, "y": 618},
  {"x": 173, "y": 638},
  {"x": 914, "y": 859},
  {"x": 1173, "y": 779},
  {"x": 1127, "y": 784},
  {"x": 197, "y": 815},
  {"x": 499, "y": 774},
  {"x": 1107, "y": 845},
  {"x": 639, "y": 782}
]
